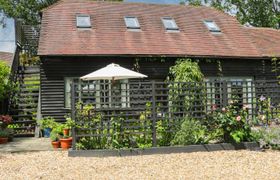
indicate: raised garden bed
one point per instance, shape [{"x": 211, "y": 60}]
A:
[{"x": 164, "y": 150}]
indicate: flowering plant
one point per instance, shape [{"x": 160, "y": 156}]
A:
[
  {"x": 233, "y": 121},
  {"x": 5, "y": 120},
  {"x": 265, "y": 111}
]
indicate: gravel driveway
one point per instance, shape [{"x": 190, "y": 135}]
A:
[{"x": 200, "y": 165}]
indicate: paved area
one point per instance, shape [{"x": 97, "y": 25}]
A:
[{"x": 27, "y": 145}]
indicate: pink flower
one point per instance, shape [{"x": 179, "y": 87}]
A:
[
  {"x": 262, "y": 98},
  {"x": 214, "y": 107},
  {"x": 238, "y": 118}
]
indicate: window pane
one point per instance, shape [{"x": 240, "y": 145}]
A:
[
  {"x": 212, "y": 26},
  {"x": 67, "y": 93},
  {"x": 132, "y": 22},
  {"x": 169, "y": 24},
  {"x": 83, "y": 21}
]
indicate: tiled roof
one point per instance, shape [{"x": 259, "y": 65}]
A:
[
  {"x": 7, "y": 57},
  {"x": 267, "y": 40},
  {"x": 109, "y": 35}
]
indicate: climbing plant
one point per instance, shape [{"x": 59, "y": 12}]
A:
[
  {"x": 188, "y": 91},
  {"x": 276, "y": 67}
]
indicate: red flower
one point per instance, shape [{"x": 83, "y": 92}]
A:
[{"x": 6, "y": 119}]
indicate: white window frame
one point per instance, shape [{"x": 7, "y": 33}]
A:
[
  {"x": 215, "y": 30},
  {"x": 83, "y": 25},
  {"x": 175, "y": 28},
  {"x": 124, "y": 93},
  {"x": 247, "y": 89},
  {"x": 67, "y": 91},
  {"x": 126, "y": 19}
]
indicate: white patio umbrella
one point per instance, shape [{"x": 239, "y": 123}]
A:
[{"x": 113, "y": 72}]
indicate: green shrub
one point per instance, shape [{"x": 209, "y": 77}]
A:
[
  {"x": 184, "y": 93},
  {"x": 267, "y": 137},
  {"x": 48, "y": 122},
  {"x": 191, "y": 132},
  {"x": 5, "y": 85},
  {"x": 57, "y": 132},
  {"x": 4, "y": 133},
  {"x": 233, "y": 121}
]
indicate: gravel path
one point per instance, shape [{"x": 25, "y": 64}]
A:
[{"x": 201, "y": 165}]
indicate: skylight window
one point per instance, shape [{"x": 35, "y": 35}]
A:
[
  {"x": 132, "y": 23},
  {"x": 212, "y": 26},
  {"x": 169, "y": 24},
  {"x": 83, "y": 21}
]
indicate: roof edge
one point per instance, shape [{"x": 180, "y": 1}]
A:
[
  {"x": 159, "y": 55},
  {"x": 51, "y": 6}
]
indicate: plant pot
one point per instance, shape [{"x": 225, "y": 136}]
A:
[
  {"x": 66, "y": 132},
  {"x": 66, "y": 143},
  {"x": 3, "y": 140},
  {"x": 56, "y": 144},
  {"x": 47, "y": 132}
]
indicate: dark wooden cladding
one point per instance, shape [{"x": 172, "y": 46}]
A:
[{"x": 55, "y": 69}]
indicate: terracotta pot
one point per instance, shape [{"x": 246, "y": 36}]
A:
[
  {"x": 55, "y": 144},
  {"x": 3, "y": 140},
  {"x": 66, "y": 143},
  {"x": 66, "y": 132}
]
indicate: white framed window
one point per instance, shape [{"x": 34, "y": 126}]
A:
[
  {"x": 100, "y": 93},
  {"x": 238, "y": 88},
  {"x": 169, "y": 24},
  {"x": 83, "y": 21},
  {"x": 212, "y": 26},
  {"x": 131, "y": 22},
  {"x": 113, "y": 94},
  {"x": 67, "y": 91}
]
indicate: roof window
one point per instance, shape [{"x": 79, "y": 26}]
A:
[
  {"x": 83, "y": 21},
  {"x": 212, "y": 26},
  {"x": 131, "y": 22},
  {"x": 169, "y": 24}
]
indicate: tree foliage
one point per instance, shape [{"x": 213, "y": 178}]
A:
[
  {"x": 258, "y": 13},
  {"x": 4, "y": 80},
  {"x": 26, "y": 10}
]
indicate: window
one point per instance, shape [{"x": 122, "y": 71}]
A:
[
  {"x": 239, "y": 89},
  {"x": 212, "y": 26},
  {"x": 67, "y": 90},
  {"x": 99, "y": 93},
  {"x": 113, "y": 95},
  {"x": 170, "y": 24},
  {"x": 132, "y": 23},
  {"x": 83, "y": 21}
]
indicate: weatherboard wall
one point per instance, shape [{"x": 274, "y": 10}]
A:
[{"x": 55, "y": 69}]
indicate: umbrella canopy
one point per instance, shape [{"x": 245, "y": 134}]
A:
[{"x": 113, "y": 72}]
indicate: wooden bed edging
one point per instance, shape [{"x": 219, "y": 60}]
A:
[{"x": 163, "y": 150}]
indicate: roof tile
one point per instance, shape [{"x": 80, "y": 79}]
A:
[{"x": 109, "y": 35}]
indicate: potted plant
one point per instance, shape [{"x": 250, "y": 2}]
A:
[
  {"x": 68, "y": 126},
  {"x": 55, "y": 139},
  {"x": 66, "y": 142},
  {"x": 4, "y": 134},
  {"x": 47, "y": 124}
]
